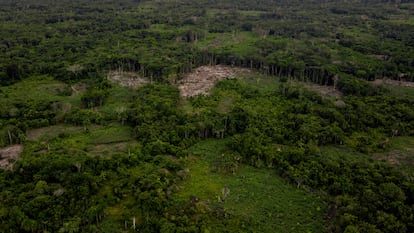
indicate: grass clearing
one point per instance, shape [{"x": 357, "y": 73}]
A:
[
  {"x": 112, "y": 134},
  {"x": 263, "y": 82},
  {"x": 240, "y": 42},
  {"x": 111, "y": 148},
  {"x": 94, "y": 140},
  {"x": 400, "y": 91},
  {"x": 118, "y": 101},
  {"x": 35, "y": 88},
  {"x": 258, "y": 198},
  {"x": 47, "y": 133},
  {"x": 38, "y": 89}
]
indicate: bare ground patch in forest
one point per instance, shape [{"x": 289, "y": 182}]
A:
[
  {"x": 9, "y": 155},
  {"x": 126, "y": 79},
  {"x": 79, "y": 88},
  {"x": 111, "y": 148},
  {"x": 324, "y": 91},
  {"x": 378, "y": 82},
  {"x": 397, "y": 157},
  {"x": 203, "y": 79},
  {"x": 401, "y": 155}
]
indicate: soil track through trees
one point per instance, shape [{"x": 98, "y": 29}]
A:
[
  {"x": 9, "y": 155},
  {"x": 126, "y": 79},
  {"x": 393, "y": 82},
  {"x": 203, "y": 79},
  {"x": 324, "y": 91}
]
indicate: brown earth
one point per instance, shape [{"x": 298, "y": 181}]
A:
[
  {"x": 203, "y": 79},
  {"x": 397, "y": 157},
  {"x": 126, "y": 79},
  {"x": 378, "y": 82},
  {"x": 110, "y": 148},
  {"x": 9, "y": 155},
  {"x": 79, "y": 88},
  {"x": 324, "y": 91}
]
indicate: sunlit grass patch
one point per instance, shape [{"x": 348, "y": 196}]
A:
[{"x": 258, "y": 199}]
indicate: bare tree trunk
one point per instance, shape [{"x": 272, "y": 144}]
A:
[{"x": 10, "y": 137}]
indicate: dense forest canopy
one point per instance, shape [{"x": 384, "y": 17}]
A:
[
  {"x": 305, "y": 131},
  {"x": 312, "y": 39}
]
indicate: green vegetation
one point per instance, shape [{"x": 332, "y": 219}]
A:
[
  {"x": 311, "y": 40},
  {"x": 260, "y": 199},
  {"x": 400, "y": 91},
  {"x": 89, "y": 90}
]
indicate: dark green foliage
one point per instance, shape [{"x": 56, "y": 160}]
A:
[
  {"x": 68, "y": 189},
  {"x": 13, "y": 74},
  {"x": 352, "y": 86},
  {"x": 94, "y": 98},
  {"x": 278, "y": 127},
  {"x": 154, "y": 113},
  {"x": 123, "y": 157},
  {"x": 357, "y": 39}
]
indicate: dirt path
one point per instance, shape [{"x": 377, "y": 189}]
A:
[
  {"x": 78, "y": 88},
  {"x": 126, "y": 79},
  {"x": 203, "y": 79},
  {"x": 9, "y": 155},
  {"x": 397, "y": 157},
  {"x": 324, "y": 91},
  {"x": 393, "y": 82}
]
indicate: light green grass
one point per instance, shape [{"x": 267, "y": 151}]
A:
[
  {"x": 47, "y": 133},
  {"x": 118, "y": 101},
  {"x": 263, "y": 82},
  {"x": 37, "y": 88},
  {"x": 111, "y": 134},
  {"x": 93, "y": 140},
  {"x": 400, "y": 91},
  {"x": 239, "y": 43},
  {"x": 258, "y": 199}
]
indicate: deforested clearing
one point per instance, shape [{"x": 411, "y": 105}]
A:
[
  {"x": 126, "y": 79},
  {"x": 202, "y": 79},
  {"x": 9, "y": 155},
  {"x": 324, "y": 91},
  {"x": 393, "y": 82}
]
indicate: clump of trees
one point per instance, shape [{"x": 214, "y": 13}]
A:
[
  {"x": 331, "y": 43},
  {"x": 186, "y": 35}
]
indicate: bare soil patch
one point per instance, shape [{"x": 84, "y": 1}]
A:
[
  {"x": 203, "y": 79},
  {"x": 110, "y": 148},
  {"x": 79, "y": 88},
  {"x": 397, "y": 158},
  {"x": 378, "y": 82},
  {"x": 324, "y": 91},
  {"x": 9, "y": 155},
  {"x": 126, "y": 79}
]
